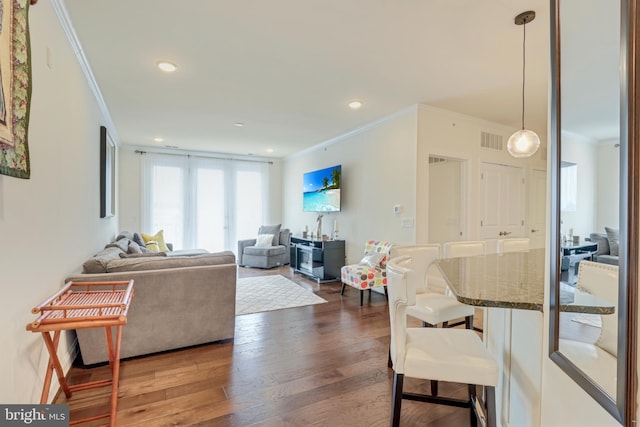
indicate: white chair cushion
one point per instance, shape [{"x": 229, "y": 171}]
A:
[
  {"x": 455, "y": 355},
  {"x": 597, "y": 363},
  {"x": 437, "y": 308}
]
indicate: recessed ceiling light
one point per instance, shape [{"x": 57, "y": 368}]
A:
[
  {"x": 239, "y": 124},
  {"x": 269, "y": 150},
  {"x": 167, "y": 67},
  {"x": 354, "y": 105},
  {"x": 158, "y": 139}
]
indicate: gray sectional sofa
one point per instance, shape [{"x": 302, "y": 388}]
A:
[
  {"x": 607, "y": 252},
  {"x": 181, "y": 298}
]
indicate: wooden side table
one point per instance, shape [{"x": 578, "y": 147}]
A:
[{"x": 84, "y": 305}]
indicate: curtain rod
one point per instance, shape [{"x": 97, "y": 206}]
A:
[{"x": 141, "y": 152}]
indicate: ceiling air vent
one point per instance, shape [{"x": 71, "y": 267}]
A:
[
  {"x": 434, "y": 159},
  {"x": 491, "y": 141}
]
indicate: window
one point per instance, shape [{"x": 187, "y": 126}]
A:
[{"x": 203, "y": 202}]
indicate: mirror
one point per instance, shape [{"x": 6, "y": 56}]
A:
[{"x": 594, "y": 198}]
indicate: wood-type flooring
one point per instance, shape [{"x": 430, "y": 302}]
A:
[{"x": 319, "y": 365}]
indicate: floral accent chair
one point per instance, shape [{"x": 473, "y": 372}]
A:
[{"x": 371, "y": 271}]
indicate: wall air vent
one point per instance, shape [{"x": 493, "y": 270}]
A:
[
  {"x": 434, "y": 159},
  {"x": 491, "y": 141}
]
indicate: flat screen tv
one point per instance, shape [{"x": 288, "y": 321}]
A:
[{"x": 322, "y": 190}]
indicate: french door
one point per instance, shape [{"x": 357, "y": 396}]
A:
[{"x": 201, "y": 202}]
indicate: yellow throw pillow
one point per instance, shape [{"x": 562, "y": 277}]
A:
[
  {"x": 158, "y": 238},
  {"x": 152, "y": 245}
]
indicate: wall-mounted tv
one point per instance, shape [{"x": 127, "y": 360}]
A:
[{"x": 322, "y": 190}]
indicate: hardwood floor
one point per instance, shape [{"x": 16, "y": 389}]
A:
[{"x": 319, "y": 365}]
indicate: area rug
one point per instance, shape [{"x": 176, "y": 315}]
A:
[{"x": 268, "y": 293}]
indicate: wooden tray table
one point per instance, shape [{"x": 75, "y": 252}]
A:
[{"x": 81, "y": 305}]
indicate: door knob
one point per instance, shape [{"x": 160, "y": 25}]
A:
[{"x": 534, "y": 230}]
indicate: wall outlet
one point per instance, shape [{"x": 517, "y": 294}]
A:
[
  {"x": 407, "y": 222},
  {"x": 397, "y": 209}
]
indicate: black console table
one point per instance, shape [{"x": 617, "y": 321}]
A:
[{"x": 319, "y": 259}]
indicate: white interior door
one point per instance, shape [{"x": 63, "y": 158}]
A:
[
  {"x": 537, "y": 208},
  {"x": 446, "y": 201},
  {"x": 502, "y": 210}
]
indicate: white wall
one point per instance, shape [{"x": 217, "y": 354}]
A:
[
  {"x": 378, "y": 172},
  {"x": 449, "y": 134},
  {"x": 50, "y": 223},
  {"x": 608, "y": 186},
  {"x": 584, "y": 153},
  {"x": 131, "y": 189}
]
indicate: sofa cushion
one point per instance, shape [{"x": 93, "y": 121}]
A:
[
  {"x": 270, "y": 251},
  {"x": 98, "y": 264},
  {"x": 271, "y": 229},
  {"x": 602, "y": 241},
  {"x": 613, "y": 235},
  {"x": 141, "y": 255},
  {"x": 161, "y": 262}
]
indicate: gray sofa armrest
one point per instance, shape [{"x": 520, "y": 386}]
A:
[
  {"x": 607, "y": 259},
  {"x": 241, "y": 245}
]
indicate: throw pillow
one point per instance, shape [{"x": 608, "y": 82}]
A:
[
  {"x": 134, "y": 248},
  {"x": 613, "y": 236},
  {"x": 158, "y": 238},
  {"x": 124, "y": 235},
  {"x": 264, "y": 241},
  {"x": 274, "y": 230},
  {"x": 138, "y": 239},
  {"x": 602, "y": 241},
  {"x": 153, "y": 246},
  {"x": 372, "y": 259}
]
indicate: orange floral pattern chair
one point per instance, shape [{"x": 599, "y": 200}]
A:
[{"x": 371, "y": 271}]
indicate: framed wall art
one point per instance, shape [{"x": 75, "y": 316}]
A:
[
  {"x": 107, "y": 174},
  {"x": 15, "y": 88}
]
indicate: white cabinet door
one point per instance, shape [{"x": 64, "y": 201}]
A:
[
  {"x": 502, "y": 192},
  {"x": 537, "y": 208}
]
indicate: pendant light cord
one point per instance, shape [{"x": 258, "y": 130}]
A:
[{"x": 524, "y": 40}]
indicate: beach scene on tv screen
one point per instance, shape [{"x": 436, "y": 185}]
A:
[{"x": 322, "y": 190}]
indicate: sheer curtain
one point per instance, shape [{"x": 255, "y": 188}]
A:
[{"x": 203, "y": 202}]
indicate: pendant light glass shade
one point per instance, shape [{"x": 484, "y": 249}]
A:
[{"x": 523, "y": 143}]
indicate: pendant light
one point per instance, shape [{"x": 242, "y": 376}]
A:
[{"x": 523, "y": 143}]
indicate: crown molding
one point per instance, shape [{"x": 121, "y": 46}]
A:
[{"x": 65, "y": 21}]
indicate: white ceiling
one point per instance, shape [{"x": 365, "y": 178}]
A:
[{"x": 287, "y": 68}]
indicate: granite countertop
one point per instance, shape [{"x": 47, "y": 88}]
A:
[{"x": 512, "y": 280}]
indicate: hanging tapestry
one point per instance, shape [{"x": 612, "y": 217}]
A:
[{"x": 15, "y": 88}]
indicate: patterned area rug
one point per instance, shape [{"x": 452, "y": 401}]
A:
[{"x": 267, "y": 293}]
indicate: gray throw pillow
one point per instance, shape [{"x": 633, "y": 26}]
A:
[
  {"x": 272, "y": 229},
  {"x": 124, "y": 235},
  {"x": 602, "y": 241},
  {"x": 613, "y": 236},
  {"x": 122, "y": 244},
  {"x": 139, "y": 240},
  {"x": 134, "y": 248}
]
